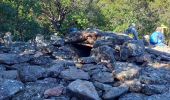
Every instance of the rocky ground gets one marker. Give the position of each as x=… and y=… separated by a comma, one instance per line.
x=87, y=65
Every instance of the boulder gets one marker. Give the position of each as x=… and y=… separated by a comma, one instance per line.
x=2, y=68
x=55, y=91
x=132, y=48
x=134, y=85
x=154, y=89
x=126, y=71
x=9, y=88
x=150, y=75
x=114, y=92
x=104, y=87
x=133, y=96
x=34, y=90
x=84, y=90
x=11, y=59
x=87, y=60
x=73, y=74
x=104, y=54
x=65, y=52
x=42, y=60
x=31, y=73
x=11, y=74
x=103, y=77
x=164, y=96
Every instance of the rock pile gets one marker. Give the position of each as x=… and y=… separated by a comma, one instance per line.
x=86, y=65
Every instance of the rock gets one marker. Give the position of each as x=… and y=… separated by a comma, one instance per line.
x=132, y=49
x=83, y=89
x=143, y=58
x=65, y=52
x=115, y=38
x=102, y=42
x=103, y=77
x=34, y=90
x=2, y=68
x=73, y=74
x=55, y=69
x=114, y=92
x=150, y=75
x=59, y=66
x=56, y=91
x=31, y=73
x=133, y=96
x=102, y=86
x=104, y=54
x=134, y=85
x=9, y=88
x=126, y=71
x=11, y=74
x=59, y=98
x=154, y=89
x=42, y=60
x=164, y=96
x=57, y=41
x=11, y=59
x=88, y=67
x=87, y=60
x=17, y=66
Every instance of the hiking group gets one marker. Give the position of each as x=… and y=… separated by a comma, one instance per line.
x=157, y=38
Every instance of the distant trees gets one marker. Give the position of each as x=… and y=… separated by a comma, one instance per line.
x=25, y=18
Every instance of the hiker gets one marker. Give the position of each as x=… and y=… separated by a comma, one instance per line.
x=8, y=39
x=157, y=38
x=73, y=29
x=132, y=30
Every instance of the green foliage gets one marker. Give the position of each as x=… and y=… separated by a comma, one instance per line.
x=26, y=18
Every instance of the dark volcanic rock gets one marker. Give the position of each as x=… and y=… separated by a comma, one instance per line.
x=150, y=75
x=104, y=54
x=34, y=90
x=10, y=59
x=65, y=52
x=56, y=40
x=102, y=86
x=133, y=96
x=10, y=87
x=11, y=74
x=164, y=96
x=56, y=91
x=114, y=92
x=103, y=77
x=83, y=89
x=154, y=89
x=87, y=60
x=31, y=73
x=59, y=66
x=42, y=60
x=134, y=85
x=132, y=49
x=2, y=68
x=55, y=70
x=125, y=71
x=73, y=74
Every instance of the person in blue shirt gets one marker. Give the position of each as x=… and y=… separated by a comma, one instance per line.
x=73, y=29
x=157, y=37
x=132, y=30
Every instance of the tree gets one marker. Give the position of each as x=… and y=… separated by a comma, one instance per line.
x=57, y=10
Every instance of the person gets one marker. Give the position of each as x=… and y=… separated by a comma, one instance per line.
x=8, y=39
x=157, y=37
x=73, y=29
x=132, y=30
